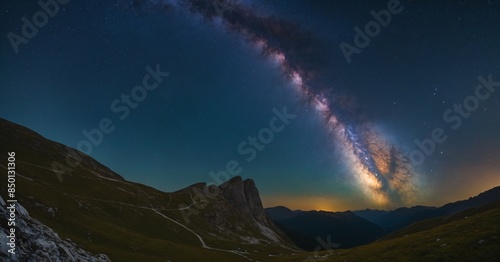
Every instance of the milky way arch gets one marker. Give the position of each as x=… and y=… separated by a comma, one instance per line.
x=381, y=170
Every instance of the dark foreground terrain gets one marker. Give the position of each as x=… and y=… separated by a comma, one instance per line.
x=86, y=211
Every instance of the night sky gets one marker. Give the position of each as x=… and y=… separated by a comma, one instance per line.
x=349, y=141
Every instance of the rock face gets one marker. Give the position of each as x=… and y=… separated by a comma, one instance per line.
x=234, y=191
x=234, y=209
x=245, y=196
x=36, y=242
x=254, y=202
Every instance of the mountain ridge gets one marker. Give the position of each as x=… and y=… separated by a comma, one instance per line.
x=293, y=223
x=96, y=211
x=396, y=219
x=103, y=213
x=344, y=229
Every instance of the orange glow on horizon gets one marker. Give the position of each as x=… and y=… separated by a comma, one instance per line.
x=467, y=186
x=485, y=179
x=306, y=203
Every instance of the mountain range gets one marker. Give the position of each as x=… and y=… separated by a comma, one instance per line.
x=87, y=212
x=401, y=217
x=345, y=229
x=355, y=228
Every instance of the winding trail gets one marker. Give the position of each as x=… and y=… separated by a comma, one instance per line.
x=156, y=210
x=203, y=244
x=201, y=239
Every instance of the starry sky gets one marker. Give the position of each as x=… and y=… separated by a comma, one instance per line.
x=403, y=114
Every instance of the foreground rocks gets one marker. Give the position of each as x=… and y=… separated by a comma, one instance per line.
x=37, y=242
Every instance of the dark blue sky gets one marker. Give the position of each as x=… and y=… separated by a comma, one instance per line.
x=221, y=90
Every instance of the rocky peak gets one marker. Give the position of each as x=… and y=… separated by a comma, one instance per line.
x=253, y=201
x=244, y=196
x=239, y=199
x=234, y=191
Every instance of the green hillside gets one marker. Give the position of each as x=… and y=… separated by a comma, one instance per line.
x=103, y=213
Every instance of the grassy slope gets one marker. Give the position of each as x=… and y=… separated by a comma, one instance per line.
x=113, y=217
x=122, y=231
x=127, y=230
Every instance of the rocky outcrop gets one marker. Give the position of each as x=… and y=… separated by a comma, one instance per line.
x=36, y=242
x=244, y=195
x=253, y=201
x=236, y=211
x=234, y=191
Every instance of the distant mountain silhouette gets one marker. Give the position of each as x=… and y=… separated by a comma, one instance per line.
x=343, y=228
x=401, y=217
x=351, y=229
x=281, y=212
